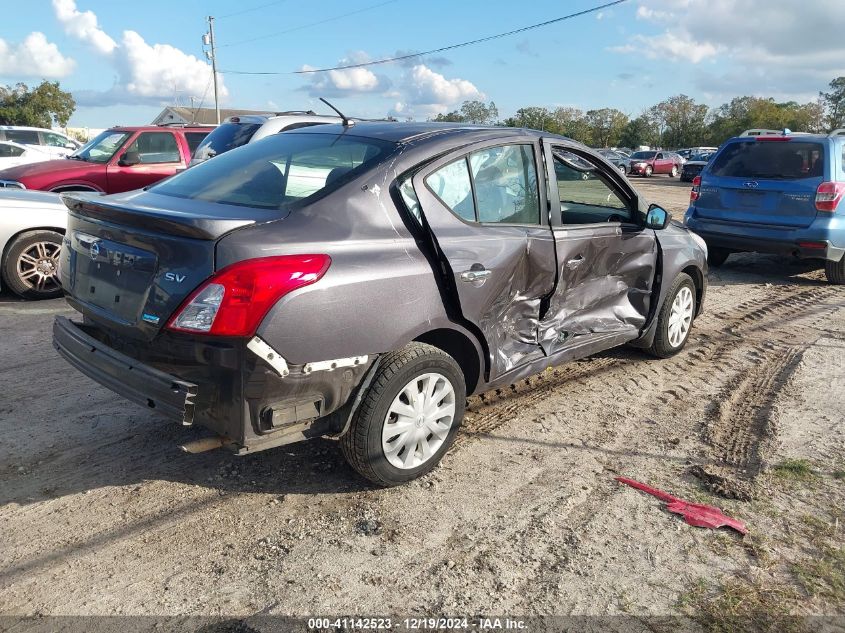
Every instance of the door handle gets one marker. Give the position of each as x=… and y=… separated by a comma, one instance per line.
x=475, y=275
x=573, y=263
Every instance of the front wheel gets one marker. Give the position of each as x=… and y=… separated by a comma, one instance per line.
x=674, y=172
x=835, y=271
x=409, y=416
x=622, y=169
x=648, y=171
x=31, y=264
x=675, y=319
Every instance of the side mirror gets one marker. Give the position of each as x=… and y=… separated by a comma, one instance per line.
x=129, y=158
x=657, y=217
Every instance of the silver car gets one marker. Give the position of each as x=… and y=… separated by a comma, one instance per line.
x=359, y=281
x=32, y=226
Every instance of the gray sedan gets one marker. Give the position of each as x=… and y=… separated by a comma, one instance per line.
x=360, y=281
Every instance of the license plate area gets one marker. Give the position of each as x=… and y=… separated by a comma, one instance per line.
x=751, y=199
x=112, y=276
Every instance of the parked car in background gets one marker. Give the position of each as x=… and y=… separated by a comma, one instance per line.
x=777, y=194
x=213, y=297
x=648, y=163
x=55, y=144
x=240, y=130
x=615, y=158
x=13, y=154
x=694, y=165
x=32, y=226
x=119, y=159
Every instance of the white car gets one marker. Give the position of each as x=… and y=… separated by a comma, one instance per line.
x=32, y=227
x=56, y=144
x=13, y=154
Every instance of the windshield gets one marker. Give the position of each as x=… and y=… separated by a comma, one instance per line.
x=779, y=160
x=276, y=172
x=225, y=137
x=701, y=157
x=102, y=147
x=643, y=155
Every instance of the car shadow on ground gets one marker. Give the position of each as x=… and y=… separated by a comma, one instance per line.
x=773, y=269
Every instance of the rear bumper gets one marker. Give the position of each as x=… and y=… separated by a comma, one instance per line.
x=125, y=376
x=816, y=241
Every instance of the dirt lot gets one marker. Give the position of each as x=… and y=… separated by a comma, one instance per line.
x=101, y=514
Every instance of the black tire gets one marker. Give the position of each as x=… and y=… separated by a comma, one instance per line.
x=716, y=256
x=648, y=171
x=39, y=285
x=622, y=169
x=661, y=346
x=835, y=271
x=362, y=443
x=674, y=172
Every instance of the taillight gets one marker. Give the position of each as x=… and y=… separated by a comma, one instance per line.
x=695, y=192
x=235, y=300
x=828, y=196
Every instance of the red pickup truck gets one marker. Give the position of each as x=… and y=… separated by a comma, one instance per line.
x=119, y=159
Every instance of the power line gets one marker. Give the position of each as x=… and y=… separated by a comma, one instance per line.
x=436, y=50
x=261, y=6
x=305, y=26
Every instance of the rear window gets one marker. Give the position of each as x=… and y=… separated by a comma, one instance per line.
x=778, y=160
x=278, y=172
x=225, y=137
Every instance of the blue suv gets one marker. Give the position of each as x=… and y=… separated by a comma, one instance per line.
x=774, y=192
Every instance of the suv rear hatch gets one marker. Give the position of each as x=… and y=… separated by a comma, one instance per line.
x=765, y=180
x=131, y=259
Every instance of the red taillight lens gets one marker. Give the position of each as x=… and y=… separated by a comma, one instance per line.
x=695, y=192
x=234, y=301
x=828, y=196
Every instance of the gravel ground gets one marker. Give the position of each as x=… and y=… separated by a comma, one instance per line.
x=101, y=514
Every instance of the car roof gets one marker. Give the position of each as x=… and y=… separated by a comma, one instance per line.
x=406, y=132
x=160, y=128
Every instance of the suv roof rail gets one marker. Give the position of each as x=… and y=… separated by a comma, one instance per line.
x=838, y=132
x=177, y=124
x=284, y=112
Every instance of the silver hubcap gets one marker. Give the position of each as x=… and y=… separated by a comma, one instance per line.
x=680, y=317
x=38, y=264
x=418, y=421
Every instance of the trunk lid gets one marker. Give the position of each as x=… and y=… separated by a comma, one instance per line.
x=131, y=259
x=763, y=182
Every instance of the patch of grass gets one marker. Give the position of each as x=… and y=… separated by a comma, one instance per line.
x=799, y=469
x=824, y=575
x=839, y=474
x=739, y=606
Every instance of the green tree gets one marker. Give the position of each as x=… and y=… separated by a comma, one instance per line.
x=41, y=106
x=606, y=126
x=573, y=123
x=534, y=118
x=639, y=131
x=834, y=103
x=472, y=112
x=681, y=121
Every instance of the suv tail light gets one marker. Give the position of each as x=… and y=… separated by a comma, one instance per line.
x=695, y=192
x=235, y=300
x=828, y=196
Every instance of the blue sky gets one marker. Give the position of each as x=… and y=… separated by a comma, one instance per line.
x=123, y=64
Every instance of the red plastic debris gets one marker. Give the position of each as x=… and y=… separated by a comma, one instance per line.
x=696, y=514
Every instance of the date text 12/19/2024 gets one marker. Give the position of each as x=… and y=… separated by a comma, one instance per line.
x=417, y=624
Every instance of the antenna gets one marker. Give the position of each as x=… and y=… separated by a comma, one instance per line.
x=346, y=121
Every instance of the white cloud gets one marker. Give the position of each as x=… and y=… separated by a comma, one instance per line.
x=34, y=57
x=151, y=73
x=763, y=44
x=428, y=88
x=347, y=81
x=83, y=26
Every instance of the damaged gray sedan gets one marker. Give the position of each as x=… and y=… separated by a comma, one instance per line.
x=359, y=282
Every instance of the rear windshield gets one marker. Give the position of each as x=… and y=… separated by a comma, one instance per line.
x=225, y=137
x=277, y=172
x=779, y=160
x=643, y=154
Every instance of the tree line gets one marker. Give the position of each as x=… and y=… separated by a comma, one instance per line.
x=676, y=122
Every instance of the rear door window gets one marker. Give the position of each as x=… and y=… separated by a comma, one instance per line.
x=225, y=137
x=27, y=137
x=194, y=139
x=776, y=160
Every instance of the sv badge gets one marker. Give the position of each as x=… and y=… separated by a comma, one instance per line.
x=175, y=277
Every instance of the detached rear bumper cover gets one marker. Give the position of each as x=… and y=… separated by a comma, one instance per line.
x=125, y=376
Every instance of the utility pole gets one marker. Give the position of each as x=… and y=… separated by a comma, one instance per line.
x=208, y=40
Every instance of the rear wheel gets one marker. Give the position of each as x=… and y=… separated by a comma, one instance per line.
x=675, y=319
x=716, y=256
x=648, y=171
x=409, y=416
x=622, y=169
x=835, y=271
x=31, y=263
